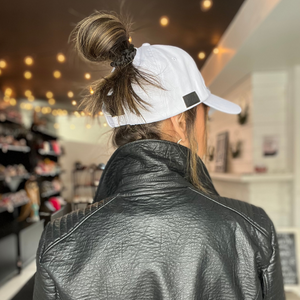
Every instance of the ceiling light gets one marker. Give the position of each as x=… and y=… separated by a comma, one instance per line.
x=27, y=93
x=30, y=98
x=201, y=55
x=28, y=60
x=74, y=102
x=216, y=50
x=164, y=21
x=56, y=74
x=12, y=102
x=60, y=57
x=49, y=95
x=27, y=75
x=70, y=94
x=51, y=101
x=206, y=5
x=8, y=92
x=87, y=76
x=2, y=63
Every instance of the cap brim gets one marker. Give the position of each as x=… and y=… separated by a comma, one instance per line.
x=223, y=105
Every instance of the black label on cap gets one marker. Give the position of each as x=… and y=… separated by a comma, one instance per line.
x=191, y=99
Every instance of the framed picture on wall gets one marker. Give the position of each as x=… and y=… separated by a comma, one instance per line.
x=221, y=152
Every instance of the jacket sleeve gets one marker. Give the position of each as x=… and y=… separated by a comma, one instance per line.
x=272, y=275
x=44, y=286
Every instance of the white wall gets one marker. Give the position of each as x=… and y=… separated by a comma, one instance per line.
x=221, y=122
x=270, y=118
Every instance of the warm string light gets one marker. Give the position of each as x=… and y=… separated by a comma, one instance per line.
x=2, y=63
x=56, y=74
x=216, y=50
x=74, y=102
x=70, y=94
x=87, y=76
x=51, y=101
x=164, y=21
x=28, y=60
x=28, y=93
x=60, y=57
x=8, y=92
x=28, y=75
x=12, y=102
x=26, y=106
x=201, y=55
x=49, y=95
x=206, y=5
x=30, y=98
x=130, y=39
x=91, y=91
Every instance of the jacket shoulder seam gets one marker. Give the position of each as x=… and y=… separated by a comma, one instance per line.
x=252, y=222
x=61, y=238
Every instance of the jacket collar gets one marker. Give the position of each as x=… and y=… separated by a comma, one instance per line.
x=145, y=165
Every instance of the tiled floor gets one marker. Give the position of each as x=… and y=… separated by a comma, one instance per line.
x=8, y=290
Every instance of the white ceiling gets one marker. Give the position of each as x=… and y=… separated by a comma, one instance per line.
x=273, y=45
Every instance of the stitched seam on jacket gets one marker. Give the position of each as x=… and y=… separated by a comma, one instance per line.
x=241, y=214
x=266, y=282
x=56, y=291
x=75, y=227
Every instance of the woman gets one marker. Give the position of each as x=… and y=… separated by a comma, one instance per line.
x=158, y=228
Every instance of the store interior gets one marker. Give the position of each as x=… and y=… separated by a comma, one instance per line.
x=52, y=153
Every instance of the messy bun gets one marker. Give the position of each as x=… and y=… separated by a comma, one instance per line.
x=104, y=37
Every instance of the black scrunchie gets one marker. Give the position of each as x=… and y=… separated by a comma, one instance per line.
x=126, y=57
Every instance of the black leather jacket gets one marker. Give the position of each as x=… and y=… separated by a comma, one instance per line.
x=151, y=235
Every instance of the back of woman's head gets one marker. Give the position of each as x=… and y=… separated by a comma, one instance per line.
x=104, y=38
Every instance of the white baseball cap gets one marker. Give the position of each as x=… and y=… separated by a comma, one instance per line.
x=182, y=82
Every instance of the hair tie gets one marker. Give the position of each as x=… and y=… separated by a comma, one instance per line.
x=126, y=57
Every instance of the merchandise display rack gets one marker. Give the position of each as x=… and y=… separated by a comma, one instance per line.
x=19, y=239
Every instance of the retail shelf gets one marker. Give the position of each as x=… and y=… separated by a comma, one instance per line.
x=6, y=148
x=8, y=178
x=51, y=174
x=48, y=133
x=4, y=118
x=5, y=208
x=48, y=153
